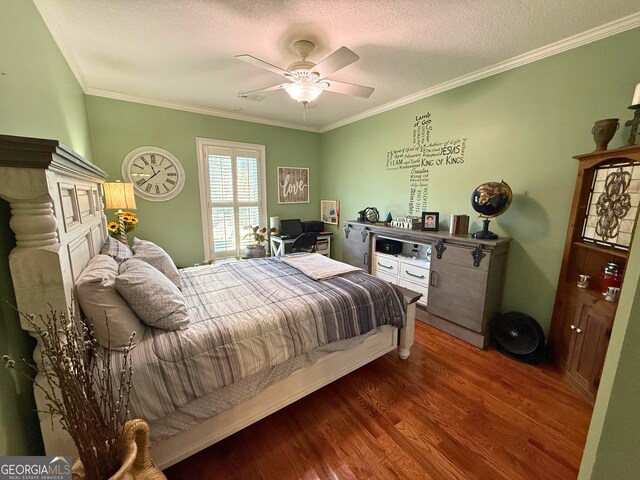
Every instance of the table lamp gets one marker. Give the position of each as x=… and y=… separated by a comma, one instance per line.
x=635, y=105
x=117, y=196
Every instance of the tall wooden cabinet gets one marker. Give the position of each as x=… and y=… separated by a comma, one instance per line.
x=582, y=318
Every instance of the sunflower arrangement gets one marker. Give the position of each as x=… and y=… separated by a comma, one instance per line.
x=130, y=221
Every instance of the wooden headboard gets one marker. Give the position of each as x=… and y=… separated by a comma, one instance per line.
x=58, y=219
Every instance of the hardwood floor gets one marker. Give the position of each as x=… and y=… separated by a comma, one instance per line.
x=450, y=412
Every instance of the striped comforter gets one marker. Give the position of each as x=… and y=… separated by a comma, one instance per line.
x=247, y=317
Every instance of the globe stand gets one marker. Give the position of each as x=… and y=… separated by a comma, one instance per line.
x=485, y=233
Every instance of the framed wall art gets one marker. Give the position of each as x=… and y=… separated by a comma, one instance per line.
x=293, y=185
x=330, y=211
x=430, y=221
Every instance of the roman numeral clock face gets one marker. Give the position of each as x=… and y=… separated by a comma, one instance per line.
x=156, y=174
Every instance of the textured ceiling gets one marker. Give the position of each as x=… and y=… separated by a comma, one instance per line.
x=181, y=52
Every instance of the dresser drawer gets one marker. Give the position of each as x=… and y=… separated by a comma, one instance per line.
x=389, y=278
x=385, y=264
x=322, y=245
x=414, y=273
x=416, y=287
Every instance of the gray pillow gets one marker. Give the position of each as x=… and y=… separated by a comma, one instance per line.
x=101, y=302
x=154, y=298
x=116, y=249
x=154, y=255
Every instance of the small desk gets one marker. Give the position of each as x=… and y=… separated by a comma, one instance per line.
x=279, y=245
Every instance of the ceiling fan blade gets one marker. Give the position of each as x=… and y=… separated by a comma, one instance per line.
x=349, y=89
x=262, y=64
x=334, y=62
x=265, y=89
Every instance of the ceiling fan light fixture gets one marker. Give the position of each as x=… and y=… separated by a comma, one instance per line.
x=304, y=92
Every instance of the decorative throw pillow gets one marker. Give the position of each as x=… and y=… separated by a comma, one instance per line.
x=154, y=255
x=101, y=302
x=116, y=249
x=154, y=298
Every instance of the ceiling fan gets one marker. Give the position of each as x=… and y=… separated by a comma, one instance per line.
x=307, y=80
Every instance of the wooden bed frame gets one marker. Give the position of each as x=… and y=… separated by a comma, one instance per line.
x=58, y=219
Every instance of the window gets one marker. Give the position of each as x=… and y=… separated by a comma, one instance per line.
x=232, y=194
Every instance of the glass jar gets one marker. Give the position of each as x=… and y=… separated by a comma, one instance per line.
x=610, y=276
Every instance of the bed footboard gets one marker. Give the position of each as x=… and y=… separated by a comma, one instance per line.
x=405, y=340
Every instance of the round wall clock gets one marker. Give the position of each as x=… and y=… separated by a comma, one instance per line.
x=156, y=174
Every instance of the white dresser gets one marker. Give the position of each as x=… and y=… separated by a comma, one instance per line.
x=404, y=271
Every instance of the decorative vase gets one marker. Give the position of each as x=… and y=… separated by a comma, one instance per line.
x=610, y=276
x=255, y=251
x=134, y=451
x=603, y=131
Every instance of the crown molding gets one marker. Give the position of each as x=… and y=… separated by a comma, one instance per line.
x=612, y=28
x=196, y=109
x=617, y=26
x=47, y=12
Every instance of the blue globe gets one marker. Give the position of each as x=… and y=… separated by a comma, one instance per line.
x=491, y=198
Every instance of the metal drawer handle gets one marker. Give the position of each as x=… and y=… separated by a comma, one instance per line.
x=578, y=330
x=385, y=266
x=573, y=327
x=413, y=274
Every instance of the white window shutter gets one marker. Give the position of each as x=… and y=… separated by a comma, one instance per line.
x=235, y=196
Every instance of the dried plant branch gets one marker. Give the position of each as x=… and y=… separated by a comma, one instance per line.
x=81, y=391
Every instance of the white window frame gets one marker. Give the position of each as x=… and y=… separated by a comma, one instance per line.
x=205, y=196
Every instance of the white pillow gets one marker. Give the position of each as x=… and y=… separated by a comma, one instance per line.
x=154, y=298
x=100, y=301
x=116, y=249
x=156, y=256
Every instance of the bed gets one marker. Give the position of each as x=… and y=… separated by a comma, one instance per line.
x=59, y=224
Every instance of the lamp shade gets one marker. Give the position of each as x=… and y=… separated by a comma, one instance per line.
x=304, y=92
x=636, y=97
x=119, y=196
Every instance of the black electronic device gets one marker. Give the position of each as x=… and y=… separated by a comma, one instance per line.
x=385, y=245
x=369, y=215
x=290, y=228
x=519, y=336
x=315, y=226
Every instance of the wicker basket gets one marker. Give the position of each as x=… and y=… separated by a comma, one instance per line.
x=136, y=463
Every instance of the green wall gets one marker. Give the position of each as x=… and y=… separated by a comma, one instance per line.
x=611, y=450
x=39, y=97
x=118, y=127
x=522, y=126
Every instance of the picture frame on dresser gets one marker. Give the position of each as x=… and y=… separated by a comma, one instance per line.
x=430, y=221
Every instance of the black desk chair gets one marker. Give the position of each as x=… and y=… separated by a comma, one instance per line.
x=305, y=243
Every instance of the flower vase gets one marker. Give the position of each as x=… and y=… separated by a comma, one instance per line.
x=134, y=451
x=603, y=131
x=255, y=251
